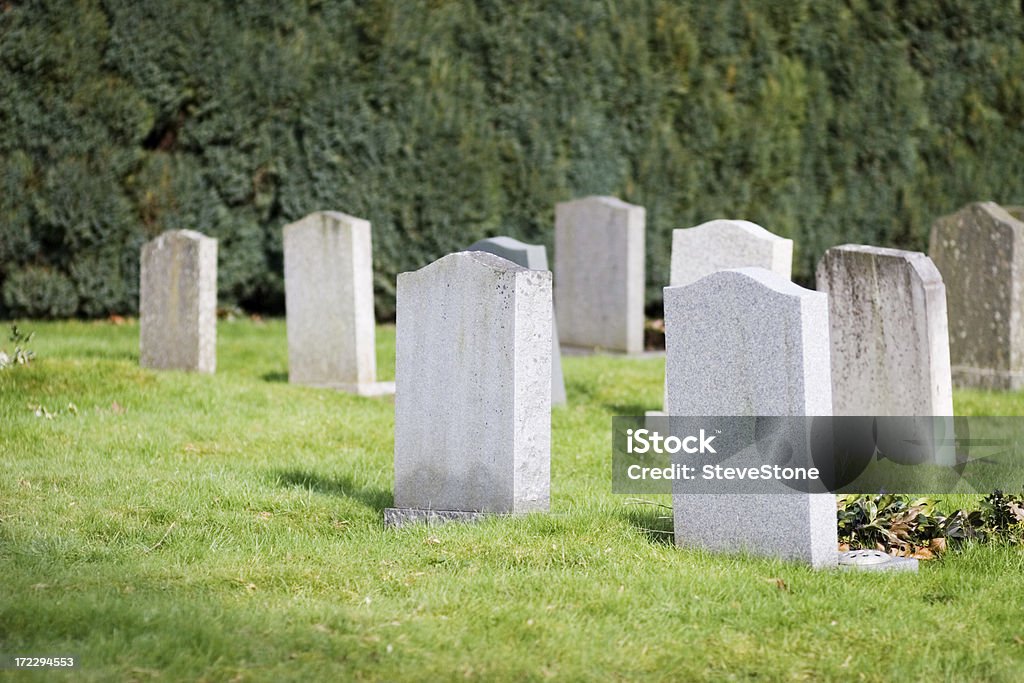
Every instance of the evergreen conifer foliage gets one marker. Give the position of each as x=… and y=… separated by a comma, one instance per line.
x=445, y=122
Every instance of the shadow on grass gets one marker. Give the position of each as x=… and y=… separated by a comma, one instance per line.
x=653, y=521
x=108, y=354
x=343, y=487
x=275, y=377
x=626, y=409
x=580, y=392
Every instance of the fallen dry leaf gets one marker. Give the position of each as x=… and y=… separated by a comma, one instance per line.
x=923, y=554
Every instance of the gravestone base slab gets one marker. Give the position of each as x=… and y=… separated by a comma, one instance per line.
x=368, y=389
x=984, y=378
x=653, y=419
x=398, y=517
x=847, y=561
x=598, y=351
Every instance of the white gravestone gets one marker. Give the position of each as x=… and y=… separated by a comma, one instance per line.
x=599, y=274
x=473, y=400
x=178, y=302
x=749, y=342
x=328, y=278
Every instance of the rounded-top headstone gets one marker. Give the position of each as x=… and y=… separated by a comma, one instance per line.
x=473, y=373
x=534, y=257
x=749, y=342
x=724, y=244
x=980, y=252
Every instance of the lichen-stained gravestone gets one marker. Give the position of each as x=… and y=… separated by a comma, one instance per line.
x=534, y=257
x=473, y=400
x=723, y=244
x=599, y=274
x=328, y=274
x=980, y=252
x=748, y=342
x=178, y=302
x=890, y=342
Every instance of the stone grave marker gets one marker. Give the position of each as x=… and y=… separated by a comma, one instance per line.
x=178, y=302
x=473, y=400
x=980, y=252
x=534, y=257
x=749, y=342
x=599, y=274
x=328, y=278
x=890, y=342
x=723, y=244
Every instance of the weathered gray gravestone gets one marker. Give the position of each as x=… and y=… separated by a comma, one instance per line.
x=328, y=280
x=534, y=257
x=723, y=244
x=599, y=274
x=473, y=401
x=980, y=252
x=890, y=342
x=178, y=302
x=749, y=342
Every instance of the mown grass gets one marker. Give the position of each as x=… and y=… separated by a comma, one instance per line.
x=228, y=527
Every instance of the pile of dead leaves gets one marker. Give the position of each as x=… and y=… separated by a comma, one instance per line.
x=911, y=527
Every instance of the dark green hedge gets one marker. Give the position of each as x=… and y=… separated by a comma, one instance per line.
x=444, y=122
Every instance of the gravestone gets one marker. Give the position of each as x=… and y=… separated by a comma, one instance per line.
x=749, y=342
x=724, y=244
x=178, y=302
x=599, y=274
x=890, y=343
x=980, y=252
x=473, y=400
x=534, y=257
x=328, y=280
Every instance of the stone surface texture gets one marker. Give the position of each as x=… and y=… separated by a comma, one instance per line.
x=725, y=244
x=178, y=302
x=599, y=274
x=980, y=252
x=890, y=342
x=473, y=372
x=750, y=342
x=398, y=517
x=328, y=273
x=534, y=257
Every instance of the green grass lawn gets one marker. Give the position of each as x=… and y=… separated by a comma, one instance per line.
x=228, y=527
